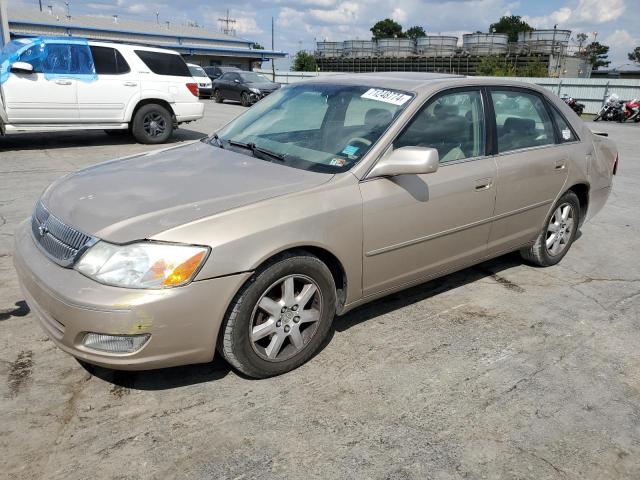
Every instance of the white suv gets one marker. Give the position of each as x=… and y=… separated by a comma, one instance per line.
x=52, y=84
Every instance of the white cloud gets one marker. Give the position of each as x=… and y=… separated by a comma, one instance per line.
x=399, y=15
x=599, y=11
x=558, y=17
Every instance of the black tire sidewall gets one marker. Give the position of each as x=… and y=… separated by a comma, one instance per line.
x=245, y=100
x=241, y=346
x=138, y=127
x=217, y=97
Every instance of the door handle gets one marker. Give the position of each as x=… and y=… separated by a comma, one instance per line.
x=63, y=82
x=130, y=84
x=561, y=164
x=483, y=184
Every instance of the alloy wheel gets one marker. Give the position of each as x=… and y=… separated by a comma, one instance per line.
x=560, y=229
x=154, y=124
x=286, y=318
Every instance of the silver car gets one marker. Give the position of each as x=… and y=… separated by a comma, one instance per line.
x=324, y=196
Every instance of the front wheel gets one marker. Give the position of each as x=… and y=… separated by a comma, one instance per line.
x=280, y=318
x=558, y=233
x=245, y=99
x=152, y=124
x=217, y=96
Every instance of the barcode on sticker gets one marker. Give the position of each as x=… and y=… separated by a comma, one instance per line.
x=387, y=96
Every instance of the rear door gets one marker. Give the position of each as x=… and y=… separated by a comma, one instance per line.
x=106, y=100
x=532, y=167
x=49, y=94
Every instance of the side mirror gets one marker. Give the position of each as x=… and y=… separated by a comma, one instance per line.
x=236, y=80
x=21, y=67
x=407, y=161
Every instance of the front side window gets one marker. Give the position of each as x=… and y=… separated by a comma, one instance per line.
x=162, y=63
x=453, y=124
x=318, y=127
x=522, y=120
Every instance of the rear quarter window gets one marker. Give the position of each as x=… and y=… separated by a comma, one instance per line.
x=164, y=63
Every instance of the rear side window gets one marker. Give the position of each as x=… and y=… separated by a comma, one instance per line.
x=565, y=132
x=522, y=120
x=109, y=61
x=453, y=124
x=164, y=63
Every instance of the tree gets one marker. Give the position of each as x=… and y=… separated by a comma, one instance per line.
x=635, y=55
x=257, y=46
x=304, y=62
x=597, y=54
x=387, y=28
x=495, y=66
x=511, y=26
x=581, y=38
x=415, y=32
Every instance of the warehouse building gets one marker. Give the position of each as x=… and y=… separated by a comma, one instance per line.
x=443, y=54
x=197, y=44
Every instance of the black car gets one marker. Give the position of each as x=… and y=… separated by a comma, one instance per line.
x=216, y=71
x=246, y=87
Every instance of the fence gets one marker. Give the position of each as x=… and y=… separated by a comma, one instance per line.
x=592, y=92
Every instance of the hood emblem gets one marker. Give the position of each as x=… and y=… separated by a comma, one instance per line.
x=43, y=230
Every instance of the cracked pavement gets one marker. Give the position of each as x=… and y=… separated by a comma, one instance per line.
x=498, y=371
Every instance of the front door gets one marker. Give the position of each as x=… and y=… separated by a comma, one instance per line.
x=417, y=226
x=532, y=168
x=49, y=94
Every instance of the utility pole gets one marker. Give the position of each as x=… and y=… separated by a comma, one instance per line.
x=228, y=23
x=273, y=59
x=4, y=24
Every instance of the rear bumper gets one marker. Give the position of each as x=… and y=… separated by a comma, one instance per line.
x=182, y=322
x=187, y=112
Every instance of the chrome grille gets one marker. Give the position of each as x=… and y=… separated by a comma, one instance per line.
x=60, y=242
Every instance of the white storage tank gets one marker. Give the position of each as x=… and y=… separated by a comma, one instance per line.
x=329, y=49
x=545, y=41
x=436, y=46
x=485, y=43
x=396, y=47
x=359, y=48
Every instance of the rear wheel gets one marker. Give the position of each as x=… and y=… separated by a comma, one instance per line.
x=152, y=124
x=217, y=96
x=280, y=318
x=559, y=232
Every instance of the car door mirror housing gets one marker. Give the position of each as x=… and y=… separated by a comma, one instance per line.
x=407, y=161
x=236, y=80
x=21, y=67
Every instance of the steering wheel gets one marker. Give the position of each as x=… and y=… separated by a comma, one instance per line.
x=363, y=141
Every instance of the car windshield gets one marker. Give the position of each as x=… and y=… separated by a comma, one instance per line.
x=319, y=127
x=197, y=71
x=253, y=77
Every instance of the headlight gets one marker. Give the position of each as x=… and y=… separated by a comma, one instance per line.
x=255, y=90
x=142, y=265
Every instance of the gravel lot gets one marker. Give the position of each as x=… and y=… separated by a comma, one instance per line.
x=499, y=371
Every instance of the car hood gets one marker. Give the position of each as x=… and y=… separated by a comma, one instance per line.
x=264, y=85
x=137, y=197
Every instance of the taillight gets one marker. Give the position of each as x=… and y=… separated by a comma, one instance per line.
x=193, y=88
x=615, y=165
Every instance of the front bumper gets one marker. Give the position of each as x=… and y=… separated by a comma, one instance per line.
x=183, y=322
x=205, y=92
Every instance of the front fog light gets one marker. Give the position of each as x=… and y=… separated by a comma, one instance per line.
x=115, y=343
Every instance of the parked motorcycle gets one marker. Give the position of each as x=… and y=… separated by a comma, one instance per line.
x=632, y=111
x=575, y=106
x=612, y=110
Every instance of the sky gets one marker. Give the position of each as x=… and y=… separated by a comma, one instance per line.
x=299, y=23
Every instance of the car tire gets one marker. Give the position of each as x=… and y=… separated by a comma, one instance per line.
x=217, y=96
x=245, y=100
x=152, y=124
x=261, y=341
x=557, y=235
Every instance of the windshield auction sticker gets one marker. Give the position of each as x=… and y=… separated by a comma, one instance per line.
x=387, y=96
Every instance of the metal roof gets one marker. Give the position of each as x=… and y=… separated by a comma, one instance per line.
x=18, y=15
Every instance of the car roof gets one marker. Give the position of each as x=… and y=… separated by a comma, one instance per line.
x=414, y=81
x=129, y=46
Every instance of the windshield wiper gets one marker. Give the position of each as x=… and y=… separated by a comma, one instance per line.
x=254, y=148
